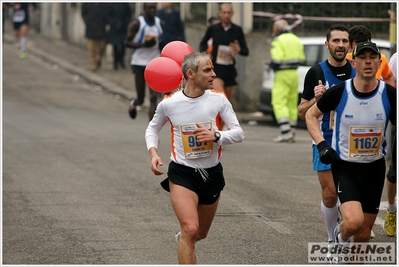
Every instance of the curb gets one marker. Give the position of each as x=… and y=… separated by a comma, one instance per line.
x=89, y=76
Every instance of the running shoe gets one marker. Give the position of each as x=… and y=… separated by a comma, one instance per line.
x=22, y=55
x=330, y=245
x=285, y=138
x=338, y=246
x=372, y=235
x=390, y=223
x=335, y=243
x=336, y=232
x=132, y=109
x=177, y=236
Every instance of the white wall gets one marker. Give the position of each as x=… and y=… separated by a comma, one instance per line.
x=76, y=27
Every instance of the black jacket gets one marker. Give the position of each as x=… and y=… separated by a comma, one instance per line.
x=94, y=16
x=174, y=27
x=222, y=37
x=119, y=16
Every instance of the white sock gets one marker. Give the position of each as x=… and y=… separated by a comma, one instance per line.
x=24, y=40
x=392, y=208
x=330, y=216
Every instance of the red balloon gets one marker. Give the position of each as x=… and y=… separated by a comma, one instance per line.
x=163, y=74
x=176, y=50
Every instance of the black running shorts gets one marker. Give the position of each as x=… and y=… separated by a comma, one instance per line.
x=136, y=69
x=227, y=73
x=362, y=182
x=208, y=191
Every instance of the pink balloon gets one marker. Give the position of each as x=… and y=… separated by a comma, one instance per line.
x=176, y=50
x=163, y=74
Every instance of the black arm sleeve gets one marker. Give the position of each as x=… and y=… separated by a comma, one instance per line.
x=244, y=51
x=330, y=99
x=311, y=80
x=204, y=42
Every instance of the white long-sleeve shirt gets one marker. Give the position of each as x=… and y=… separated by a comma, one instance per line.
x=183, y=113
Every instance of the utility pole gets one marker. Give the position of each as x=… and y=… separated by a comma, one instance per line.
x=241, y=67
x=392, y=27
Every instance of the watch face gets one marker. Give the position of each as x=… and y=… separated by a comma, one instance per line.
x=217, y=136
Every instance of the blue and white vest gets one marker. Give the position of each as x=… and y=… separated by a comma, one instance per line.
x=143, y=55
x=326, y=121
x=360, y=125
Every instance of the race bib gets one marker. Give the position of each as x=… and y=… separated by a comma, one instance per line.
x=19, y=16
x=224, y=55
x=191, y=147
x=364, y=142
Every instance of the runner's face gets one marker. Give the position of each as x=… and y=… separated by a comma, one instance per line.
x=338, y=45
x=150, y=9
x=225, y=13
x=205, y=75
x=367, y=64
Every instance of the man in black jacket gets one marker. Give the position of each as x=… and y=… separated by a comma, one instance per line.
x=95, y=18
x=119, y=16
x=174, y=27
x=228, y=41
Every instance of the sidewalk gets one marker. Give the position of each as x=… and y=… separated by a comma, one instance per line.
x=74, y=59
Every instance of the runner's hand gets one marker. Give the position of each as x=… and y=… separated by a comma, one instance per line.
x=327, y=154
x=203, y=134
x=155, y=162
x=149, y=43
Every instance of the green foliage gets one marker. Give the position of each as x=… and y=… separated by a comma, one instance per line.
x=198, y=12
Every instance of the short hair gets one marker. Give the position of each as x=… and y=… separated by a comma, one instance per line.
x=149, y=3
x=336, y=27
x=359, y=34
x=282, y=25
x=192, y=61
x=226, y=4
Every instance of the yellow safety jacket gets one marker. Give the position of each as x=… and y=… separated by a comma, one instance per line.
x=286, y=52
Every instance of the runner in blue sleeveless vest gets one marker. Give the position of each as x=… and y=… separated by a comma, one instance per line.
x=319, y=78
x=144, y=35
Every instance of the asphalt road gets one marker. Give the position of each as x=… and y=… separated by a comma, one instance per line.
x=77, y=186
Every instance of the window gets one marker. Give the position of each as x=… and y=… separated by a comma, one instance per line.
x=198, y=12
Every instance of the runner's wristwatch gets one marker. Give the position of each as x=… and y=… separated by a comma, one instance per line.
x=217, y=136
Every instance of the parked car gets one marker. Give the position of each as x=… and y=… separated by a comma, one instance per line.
x=315, y=52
